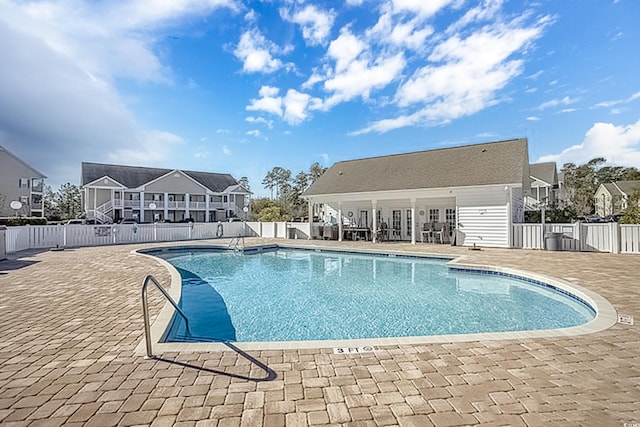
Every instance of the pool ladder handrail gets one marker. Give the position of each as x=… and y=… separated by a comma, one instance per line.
x=145, y=311
x=235, y=242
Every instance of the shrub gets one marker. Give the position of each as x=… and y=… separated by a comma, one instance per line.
x=14, y=221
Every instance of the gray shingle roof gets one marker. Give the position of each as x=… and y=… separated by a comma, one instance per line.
x=629, y=187
x=503, y=162
x=545, y=172
x=36, y=173
x=135, y=176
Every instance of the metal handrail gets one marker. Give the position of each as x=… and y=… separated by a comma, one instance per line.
x=237, y=245
x=145, y=311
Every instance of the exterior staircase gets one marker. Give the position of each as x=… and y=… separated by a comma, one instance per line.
x=101, y=213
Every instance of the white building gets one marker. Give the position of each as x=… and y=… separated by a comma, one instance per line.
x=114, y=192
x=477, y=190
x=21, y=183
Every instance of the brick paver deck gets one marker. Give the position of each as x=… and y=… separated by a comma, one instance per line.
x=71, y=320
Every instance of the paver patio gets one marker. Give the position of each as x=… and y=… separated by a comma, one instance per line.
x=70, y=322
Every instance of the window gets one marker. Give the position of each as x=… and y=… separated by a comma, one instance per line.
x=396, y=218
x=23, y=183
x=434, y=215
x=24, y=200
x=450, y=215
x=364, y=219
x=409, y=222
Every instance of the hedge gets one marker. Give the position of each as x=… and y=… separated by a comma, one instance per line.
x=17, y=221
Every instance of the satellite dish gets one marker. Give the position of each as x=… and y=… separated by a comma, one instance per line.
x=152, y=206
x=16, y=205
x=246, y=209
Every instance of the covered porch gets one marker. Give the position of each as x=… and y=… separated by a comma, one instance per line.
x=424, y=218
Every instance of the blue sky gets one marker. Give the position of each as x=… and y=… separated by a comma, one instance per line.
x=241, y=87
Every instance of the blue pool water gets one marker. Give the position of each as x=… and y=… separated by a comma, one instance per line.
x=296, y=295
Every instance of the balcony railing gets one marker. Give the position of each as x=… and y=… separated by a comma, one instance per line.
x=172, y=205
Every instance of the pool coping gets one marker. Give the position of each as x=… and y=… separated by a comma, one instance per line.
x=606, y=315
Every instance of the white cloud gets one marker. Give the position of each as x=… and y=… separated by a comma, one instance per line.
x=345, y=49
x=608, y=104
x=422, y=8
x=557, y=102
x=254, y=50
x=226, y=150
x=315, y=23
x=361, y=77
x=396, y=30
x=268, y=102
x=293, y=108
x=464, y=74
x=262, y=120
x=619, y=144
x=59, y=63
x=255, y=133
x=533, y=118
x=297, y=106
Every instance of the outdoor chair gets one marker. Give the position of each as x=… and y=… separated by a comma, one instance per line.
x=382, y=233
x=439, y=232
x=427, y=229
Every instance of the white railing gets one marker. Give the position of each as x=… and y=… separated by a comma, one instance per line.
x=580, y=237
x=68, y=236
x=608, y=237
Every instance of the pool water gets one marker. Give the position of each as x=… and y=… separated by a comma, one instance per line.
x=299, y=295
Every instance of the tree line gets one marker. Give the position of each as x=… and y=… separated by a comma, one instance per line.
x=580, y=185
x=286, y=201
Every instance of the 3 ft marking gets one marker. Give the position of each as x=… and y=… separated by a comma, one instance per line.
x=350, y=350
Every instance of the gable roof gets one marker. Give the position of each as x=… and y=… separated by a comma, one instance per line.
x=35, y=173
x=628, y=187
x=545, y=172
x=503, y=162
x=136, y=176
x=611, y=188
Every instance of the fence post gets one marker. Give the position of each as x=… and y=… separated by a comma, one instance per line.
x=614, y=232
x=578, y=234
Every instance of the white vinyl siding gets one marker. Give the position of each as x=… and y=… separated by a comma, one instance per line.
x=483, y=215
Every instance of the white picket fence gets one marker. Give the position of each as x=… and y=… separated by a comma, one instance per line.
x=69, y=236
x=607, y=237
x=580, y=237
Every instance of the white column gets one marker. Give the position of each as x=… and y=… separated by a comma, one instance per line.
x=374, y=227
x=165, y=201
x=340, y=222
x=141, y=218
x=310, y=204
x=413, y=221
x=187, y=198
x=207, y=198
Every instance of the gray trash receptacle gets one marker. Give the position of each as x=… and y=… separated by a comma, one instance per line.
x=553, y=241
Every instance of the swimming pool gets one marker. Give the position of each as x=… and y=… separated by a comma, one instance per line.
x=299, y=295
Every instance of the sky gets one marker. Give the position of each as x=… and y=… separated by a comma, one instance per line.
x=242, y=87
